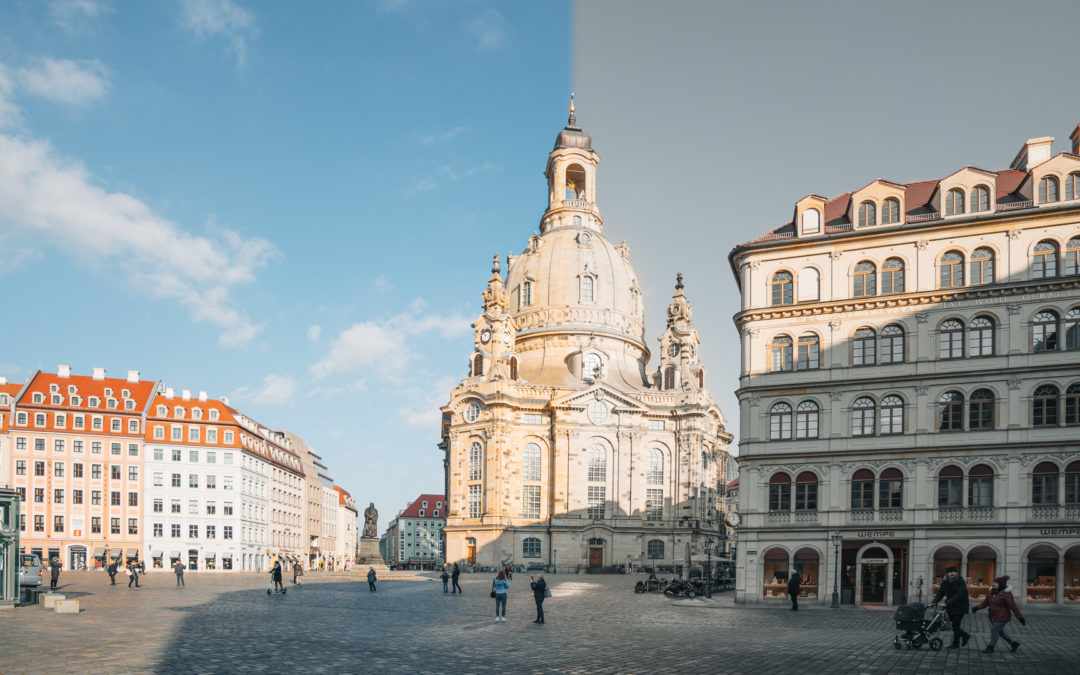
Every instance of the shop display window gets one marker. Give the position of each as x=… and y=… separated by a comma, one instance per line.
x=981, y=571
x=808, y=571
x=226, y=563
x=1072, y=575
x=943, y=560
x=776, y=573
x=156, y=563
x=1042, y=580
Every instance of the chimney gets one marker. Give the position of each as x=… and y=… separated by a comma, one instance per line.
x=3, y=380
x=202, y=395
x=169, y=392
x=63, y=371
x=1075, y=138
x=99, y=373
x=225, y=400
x=187, y=395
x=133, y=376
x=1035, y=152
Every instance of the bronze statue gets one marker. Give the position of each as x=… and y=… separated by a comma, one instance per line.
x=371, y=517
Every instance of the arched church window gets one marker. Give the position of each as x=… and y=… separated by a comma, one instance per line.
x=590, y=367
x=476, y=461
x=586, y=288
x=532, y=462
x=655, y=472
x=526, y=294
x=513, y=368
x=575, y=182
x=478, y=365
x=597, y=463
x=669, y=377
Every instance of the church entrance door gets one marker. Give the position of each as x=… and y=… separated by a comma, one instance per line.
x=596, y=556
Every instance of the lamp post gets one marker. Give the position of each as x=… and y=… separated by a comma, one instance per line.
x=708, y=567
x=554, y=560
x=837, y=537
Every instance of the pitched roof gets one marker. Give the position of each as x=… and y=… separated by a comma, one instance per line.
x=733, y=484
x=413, y=511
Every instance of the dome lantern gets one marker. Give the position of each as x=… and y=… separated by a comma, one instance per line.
x=571, y=177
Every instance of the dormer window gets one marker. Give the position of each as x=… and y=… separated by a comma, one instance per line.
x=867, y=214
x=38, y=397
x=587, y=285
x=526, y=294
x=94, y=402
x=213, y=415
x=980, y=199
x=196, y=414
x=811, y=221
x=954, y=202
x=162, y=411
x=129, y=404
x=108, y=392
x=1048, y=190
x=179, y=412
x=890, y=211
x=590, y=367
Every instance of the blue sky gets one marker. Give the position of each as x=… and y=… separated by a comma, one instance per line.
x=293, y=205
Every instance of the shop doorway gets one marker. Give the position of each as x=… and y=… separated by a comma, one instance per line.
x=77, y=556
x=470, y=550
x=873, y=582
x=874, y=567
x=193, y=559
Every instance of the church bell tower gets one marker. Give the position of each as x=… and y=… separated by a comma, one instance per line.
x=571, y=179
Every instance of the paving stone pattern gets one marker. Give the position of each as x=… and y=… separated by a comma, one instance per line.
x=227, y=623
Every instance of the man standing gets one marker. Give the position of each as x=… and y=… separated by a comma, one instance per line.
x=371, y=579
x=112, y=572
x=454, y=577
x=178, y=568
x=133, y=574
x=954, y=590
x=793, y=588
x=54, y=572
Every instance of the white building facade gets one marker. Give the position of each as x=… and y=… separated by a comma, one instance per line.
x=910, y=388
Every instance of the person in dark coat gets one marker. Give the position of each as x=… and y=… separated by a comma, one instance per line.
x=454, y=577
x=1002, y=607
x=371, y=579
x=54, y=573
x=954, y=590
x=275, y=576
x=112, y=573
x=178, y=568
x=793, y=588
x=133, y=572
x=445, y=576
x=539, y=586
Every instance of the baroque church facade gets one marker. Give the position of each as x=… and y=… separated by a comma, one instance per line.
x=561, y=449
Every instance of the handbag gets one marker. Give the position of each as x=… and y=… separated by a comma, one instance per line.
x=547, y=592
x=493, y=592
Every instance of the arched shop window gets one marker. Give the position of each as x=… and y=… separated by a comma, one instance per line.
x=807, y=566
x=1042, y=579
x=776, y=573
x=981, y=571
x=944, y=558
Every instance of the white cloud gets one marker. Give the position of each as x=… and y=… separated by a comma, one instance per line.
x=72, y=15
x=48, y=196
x=449, y=134
x=275, y=390
x=489, y=30
x=382, y=284
x=383, y=345
x=422, y=185
x=454, y=174
x=66, y=81
x=221, y=19
x=313, y=333
x=424, y=403
x=9, y=112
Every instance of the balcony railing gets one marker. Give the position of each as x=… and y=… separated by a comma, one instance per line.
x=1072, y=511
x=577, y=203
x=923, y=217
x=1045, y=512
x=862, y=515
x=980, y=513
x=950, y=513
x=1026, y=204
x=779, y=517
x=806, y=517
x=891, y=515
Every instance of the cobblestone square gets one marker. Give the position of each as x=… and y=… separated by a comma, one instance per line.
x=227, y=623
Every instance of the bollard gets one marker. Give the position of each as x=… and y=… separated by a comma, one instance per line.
x=67, y=607
x=49, y=600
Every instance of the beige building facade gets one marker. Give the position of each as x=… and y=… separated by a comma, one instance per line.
x=911, y=383
x=561, y=449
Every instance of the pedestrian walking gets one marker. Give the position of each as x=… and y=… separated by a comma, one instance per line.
x=298, y=574
x=510, y=572
x=54, y=572
x=793, y=588
x=371, y=579
x=454, y=577
x=112, y=572
x=178, y=568
x=445, y=581
x=500, y=587
x=1002, y=607
x=954, y=590
x=133, y=574
x=540, y=591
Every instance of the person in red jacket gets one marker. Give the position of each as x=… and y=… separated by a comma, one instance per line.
x=1001, y=603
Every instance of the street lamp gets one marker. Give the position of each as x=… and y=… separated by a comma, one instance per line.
x=554, y=560
x=708, y=567
x=837, y=537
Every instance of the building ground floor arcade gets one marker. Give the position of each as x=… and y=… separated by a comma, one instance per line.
x=895, y=566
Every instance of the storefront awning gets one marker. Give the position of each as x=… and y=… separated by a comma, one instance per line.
x=155, y=554
x=226, y=555
x=210, y=556
x=132, y=553
x=174, y=554
x=99, y=551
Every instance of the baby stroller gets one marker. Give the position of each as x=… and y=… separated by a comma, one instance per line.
x=916, y=629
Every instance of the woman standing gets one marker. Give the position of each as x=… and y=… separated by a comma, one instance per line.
x=499, y=588
x=539, y=589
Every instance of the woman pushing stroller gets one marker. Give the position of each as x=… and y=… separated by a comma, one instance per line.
x=1001, y=606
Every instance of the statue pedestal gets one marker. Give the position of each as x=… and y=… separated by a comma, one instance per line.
x=369, y=552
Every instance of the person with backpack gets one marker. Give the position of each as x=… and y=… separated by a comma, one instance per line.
x=1002, y=606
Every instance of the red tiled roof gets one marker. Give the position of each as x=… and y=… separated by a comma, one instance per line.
x=733, y=484
x=414, y=509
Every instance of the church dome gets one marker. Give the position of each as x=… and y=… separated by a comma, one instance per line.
x=572, y=135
